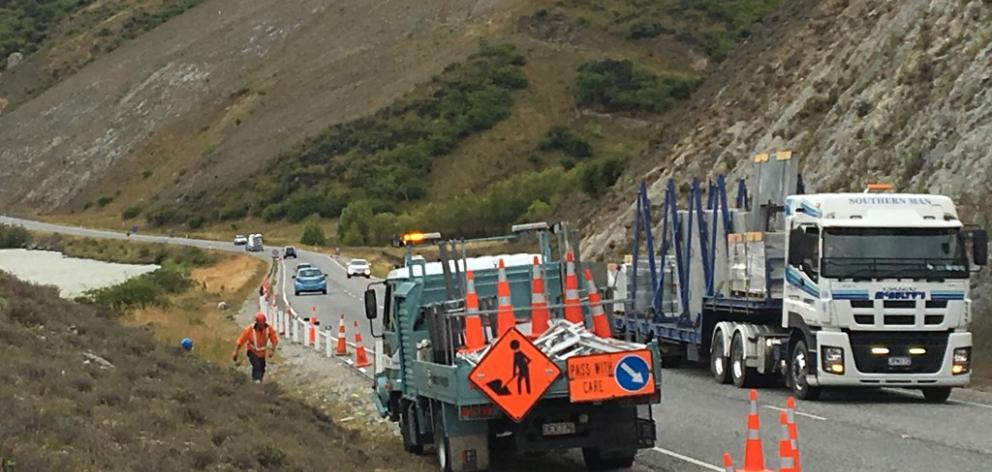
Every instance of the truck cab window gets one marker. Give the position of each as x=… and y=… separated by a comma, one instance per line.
x=804, y=250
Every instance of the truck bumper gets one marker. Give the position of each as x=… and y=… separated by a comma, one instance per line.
x=941, y=376
x=607, y=426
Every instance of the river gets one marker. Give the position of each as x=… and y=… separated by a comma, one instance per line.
x=71, y=275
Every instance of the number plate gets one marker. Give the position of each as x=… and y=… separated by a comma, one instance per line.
x=558, y=429
x=900, y=361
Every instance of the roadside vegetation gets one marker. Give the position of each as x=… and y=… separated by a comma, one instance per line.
x=622, y=86
x=14, y=237
x=89, y=394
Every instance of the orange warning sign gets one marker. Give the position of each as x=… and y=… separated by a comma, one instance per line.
x=514, y=374
x=604, y=376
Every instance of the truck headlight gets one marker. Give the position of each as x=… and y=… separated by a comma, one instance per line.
x=962, y=361
x=833, y=359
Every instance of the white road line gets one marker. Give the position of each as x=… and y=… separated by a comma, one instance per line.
x=808, y=415
x=963, y=402
x=688, y=459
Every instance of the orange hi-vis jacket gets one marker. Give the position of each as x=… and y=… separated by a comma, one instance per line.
x=257, y=340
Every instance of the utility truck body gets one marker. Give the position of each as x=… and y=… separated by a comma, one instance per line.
x=424, y=372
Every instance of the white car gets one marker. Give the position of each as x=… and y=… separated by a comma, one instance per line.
x=240, y=240
x=359, y=268
x=303, y=265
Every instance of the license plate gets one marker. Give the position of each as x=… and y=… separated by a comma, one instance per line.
x=900, y=361
x=558, y=429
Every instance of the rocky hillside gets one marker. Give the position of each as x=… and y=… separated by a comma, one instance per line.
x=864, y=91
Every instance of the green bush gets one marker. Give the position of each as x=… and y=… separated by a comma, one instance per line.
x=382, y=229
x=353, y=226
x=563, y=139
x=646, y=29
x=167, y=214
x=14, y=237
x=313, y=235
x=596, y=177
x=386, y=157
x=132, y=212
x=104, y=201
x=622, y=86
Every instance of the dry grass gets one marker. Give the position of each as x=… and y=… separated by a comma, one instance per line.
x=194, y=314
x=154, y=408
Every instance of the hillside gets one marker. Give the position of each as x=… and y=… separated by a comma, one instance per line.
x=231, y=111
x=80, y=392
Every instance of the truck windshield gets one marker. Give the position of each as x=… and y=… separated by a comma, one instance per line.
x=888, y=253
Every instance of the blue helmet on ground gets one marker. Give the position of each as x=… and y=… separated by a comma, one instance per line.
x=186, y=344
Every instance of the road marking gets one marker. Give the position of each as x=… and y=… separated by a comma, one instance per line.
x=688, y=459
x=963, y=402
x=808, y=415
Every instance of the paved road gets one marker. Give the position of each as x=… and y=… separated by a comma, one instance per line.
x=877, y=430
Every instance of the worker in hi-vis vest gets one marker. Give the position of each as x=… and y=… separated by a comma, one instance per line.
x=256, y=336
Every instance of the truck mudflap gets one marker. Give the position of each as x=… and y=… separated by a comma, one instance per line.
x=559, y=424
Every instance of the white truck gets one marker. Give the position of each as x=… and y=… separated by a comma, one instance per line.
x=827, y=290
x=254, y=243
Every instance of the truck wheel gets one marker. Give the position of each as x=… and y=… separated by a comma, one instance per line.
x=718, y=361
x=297, y=293
x=798, y=370
x=444, y=457
x=936, y=394
x=597, y=459
x=410, y=431
x=742, y=375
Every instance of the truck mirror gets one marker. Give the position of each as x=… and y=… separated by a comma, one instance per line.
x=980, y=247
x=371, y=304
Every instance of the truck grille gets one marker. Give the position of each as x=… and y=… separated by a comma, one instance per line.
x=898, y=343
x=898, y=312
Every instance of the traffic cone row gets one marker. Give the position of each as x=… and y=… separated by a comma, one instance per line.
x=573, y=305
x=361, y=358
x=539, y=313
x=504, y=309
x=600, y=323
x=788, y=450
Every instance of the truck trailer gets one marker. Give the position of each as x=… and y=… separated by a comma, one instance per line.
x=464, y=401
x=819, y=290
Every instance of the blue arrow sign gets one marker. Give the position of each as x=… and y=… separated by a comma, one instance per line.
x=632, y=373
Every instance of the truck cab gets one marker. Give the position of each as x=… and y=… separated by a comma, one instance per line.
x=423, y=367
x=876, y=291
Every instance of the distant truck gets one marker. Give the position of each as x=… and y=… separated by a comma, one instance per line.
x=823, y=290
x=254, y=243
x=423, y=369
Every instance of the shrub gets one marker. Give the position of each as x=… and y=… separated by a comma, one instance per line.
x=194, y=222
x=167, y=214
x=353, y=227
x=596, y=177
x=563, y=139
x=382, y=228
x=618, y=86
x=104, y=201
x=313, y=235
x=132, y=212
x=13, y=237
x=646, y=29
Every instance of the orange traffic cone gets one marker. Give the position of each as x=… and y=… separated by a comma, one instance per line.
x=600, y=323
x=573, y=305
x=754, y=458
x=790, y=408
x=504, y=311
x=361, y=359
x=728, y=463
x=342, y=348
x=474, y=336
x=786, y=455
x=539, y=313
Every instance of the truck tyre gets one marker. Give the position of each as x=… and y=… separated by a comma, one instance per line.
x=798, y=370
x=936, y=394
x=444, y=456
x=410, y=430
x=718, y=361
x=297, y=293
x=324, y=291
x=597, y=459
x=742, y=375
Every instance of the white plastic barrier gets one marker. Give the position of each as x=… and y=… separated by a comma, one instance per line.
x=328, y=350
x=316, y=338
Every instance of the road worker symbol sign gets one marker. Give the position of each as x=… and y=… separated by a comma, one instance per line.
x=514, y=374
x=604, y=376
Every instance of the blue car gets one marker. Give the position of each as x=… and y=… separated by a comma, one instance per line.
x=310, y=279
